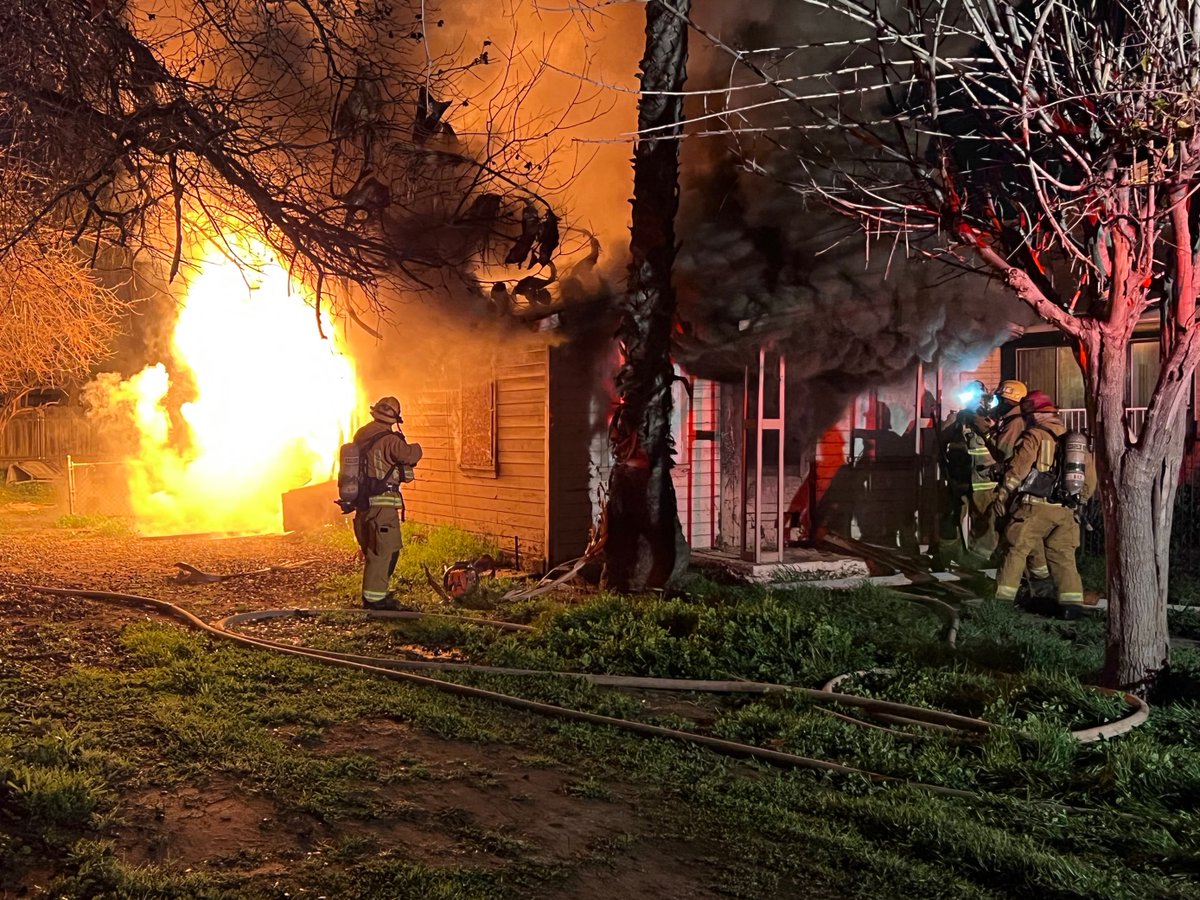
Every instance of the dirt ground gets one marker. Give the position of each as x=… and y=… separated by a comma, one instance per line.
x=214, y=823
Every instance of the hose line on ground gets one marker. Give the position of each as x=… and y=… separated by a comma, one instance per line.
x=399, y=670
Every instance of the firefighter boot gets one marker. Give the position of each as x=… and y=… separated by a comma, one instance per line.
x=1043, y=595
x=387, y=604
x=390, y=604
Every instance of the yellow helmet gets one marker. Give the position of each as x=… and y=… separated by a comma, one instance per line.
x=1012, y=391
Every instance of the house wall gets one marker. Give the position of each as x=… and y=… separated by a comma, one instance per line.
x=512, y=503
x=988, y=371
x=705, y=466
x=865, y=477
x=862, y=476
x=1147, y=331
x=696, y=474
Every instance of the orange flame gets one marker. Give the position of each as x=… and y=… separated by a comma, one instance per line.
x=273, y=401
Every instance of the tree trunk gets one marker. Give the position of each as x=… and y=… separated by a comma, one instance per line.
x=1136, y=548
x=9, y=407
x=645, y=546
x=1138, y=478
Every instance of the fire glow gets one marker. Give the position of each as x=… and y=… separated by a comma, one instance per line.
x=270, y=401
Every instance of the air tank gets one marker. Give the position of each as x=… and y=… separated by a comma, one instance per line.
x=1074, y=469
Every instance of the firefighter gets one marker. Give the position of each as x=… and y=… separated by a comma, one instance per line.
x=1008, y=418
x=969, y=471
x=388, y=465
x=1009, y=424
x=1029, y=505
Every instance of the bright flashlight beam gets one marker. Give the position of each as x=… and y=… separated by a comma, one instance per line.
x=968, y=398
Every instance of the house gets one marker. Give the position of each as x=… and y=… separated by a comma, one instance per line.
x=515, y=446
x=512, y=449
x=517, y=452
x=872, y=472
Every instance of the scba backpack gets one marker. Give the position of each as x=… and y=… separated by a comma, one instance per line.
x=1066, y=478
x=355, y=486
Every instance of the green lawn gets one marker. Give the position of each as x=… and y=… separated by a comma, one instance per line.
x=154, y=706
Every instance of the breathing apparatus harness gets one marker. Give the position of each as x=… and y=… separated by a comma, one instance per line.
x=1061, y=478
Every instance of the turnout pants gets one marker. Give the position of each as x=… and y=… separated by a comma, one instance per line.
x=1047, y=527
x=981, y=538
x=986, y=541
x=378, y=532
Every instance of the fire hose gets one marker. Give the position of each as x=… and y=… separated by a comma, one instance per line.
x=407, y=671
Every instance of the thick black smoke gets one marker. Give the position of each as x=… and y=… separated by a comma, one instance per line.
x=762, y=265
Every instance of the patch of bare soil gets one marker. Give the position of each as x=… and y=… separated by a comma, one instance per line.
x=146, y=566
x=489, y=787
x=457, y=803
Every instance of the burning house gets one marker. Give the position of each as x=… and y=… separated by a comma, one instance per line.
x=811, y=376
x=247, y=384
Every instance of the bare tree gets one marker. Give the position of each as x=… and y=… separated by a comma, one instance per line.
x=56, y=322
x=1053, y=143
x=330, y=128
x=644, y=545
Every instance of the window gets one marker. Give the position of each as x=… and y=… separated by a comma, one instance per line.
x=477, y=447
x=1053, y=371
x=1144, y=366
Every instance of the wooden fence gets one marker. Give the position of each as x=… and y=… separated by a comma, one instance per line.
x=49, y=434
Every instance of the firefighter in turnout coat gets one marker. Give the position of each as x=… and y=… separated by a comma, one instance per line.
x=1010, y=420
x=1010, y=424
x=388, y=466
x=1031, y=515
x=970, y=475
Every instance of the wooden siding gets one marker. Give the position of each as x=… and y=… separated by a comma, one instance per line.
x=697, y=470
x=509, y=504
x=988, y=371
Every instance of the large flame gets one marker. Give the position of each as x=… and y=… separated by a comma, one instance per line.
x=272, y=400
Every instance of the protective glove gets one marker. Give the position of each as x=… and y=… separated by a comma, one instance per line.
x=999, y=505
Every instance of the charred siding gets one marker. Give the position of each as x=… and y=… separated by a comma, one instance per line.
x=578, y=409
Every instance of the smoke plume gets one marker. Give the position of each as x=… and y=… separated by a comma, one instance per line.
x=762, y=266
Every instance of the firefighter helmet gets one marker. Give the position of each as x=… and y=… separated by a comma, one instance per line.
x=1012, y=391
x=387, y=411
x=1036, y=401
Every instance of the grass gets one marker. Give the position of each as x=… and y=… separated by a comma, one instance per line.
x=40, y=493
x=425, y=547
x=180, y=709
x=111, y=526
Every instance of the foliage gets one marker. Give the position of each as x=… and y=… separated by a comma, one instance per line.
x=432, y=547
x=95, y=524
x=56, y=321
x=799, y=636
x=97, y=872
x=37, y=492
x=436, y=547
x=334, y=131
